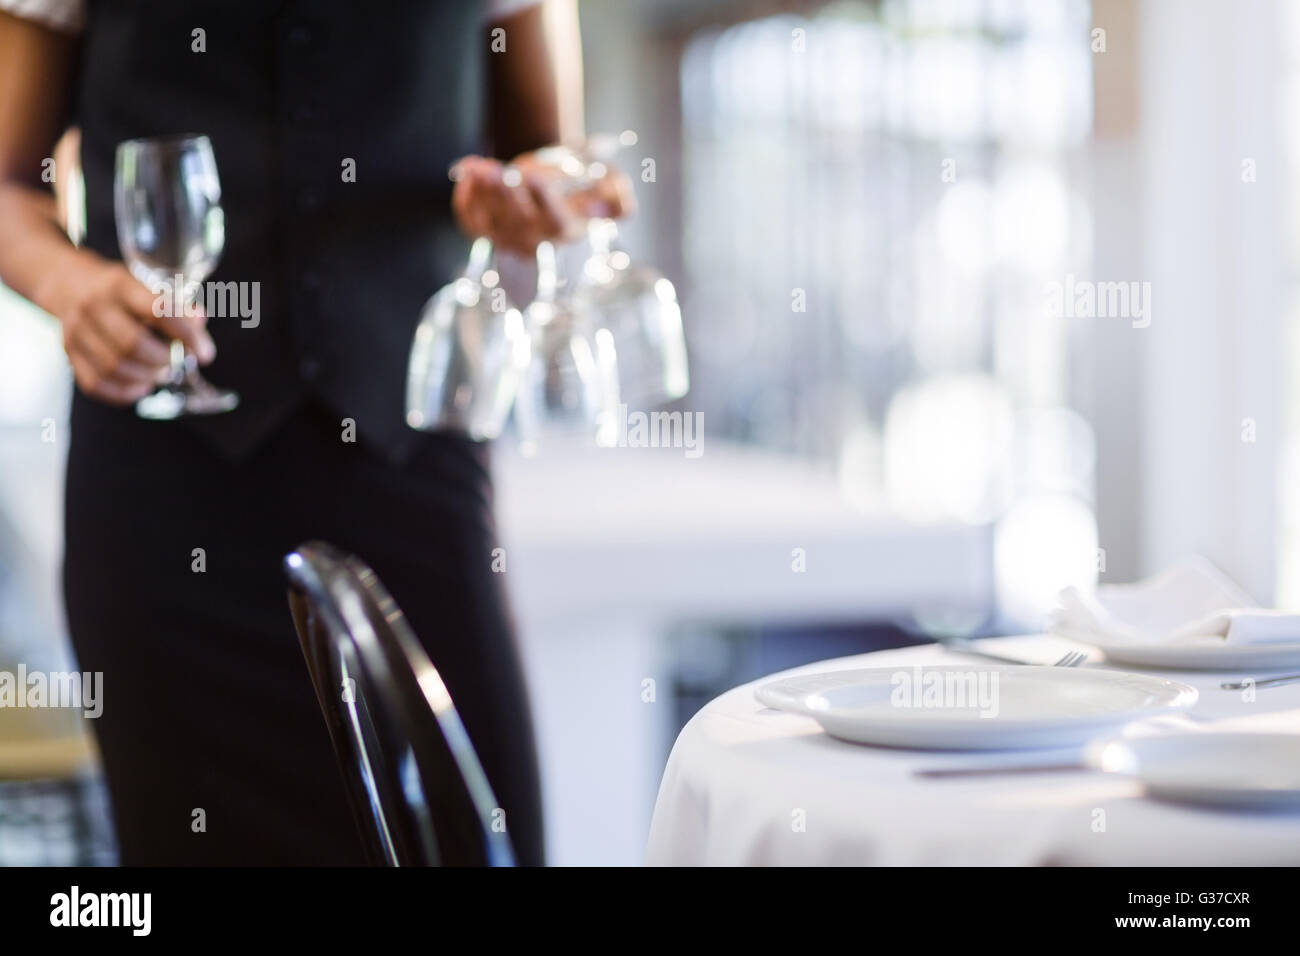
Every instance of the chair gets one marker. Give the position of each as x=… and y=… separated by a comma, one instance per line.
x=417, y=789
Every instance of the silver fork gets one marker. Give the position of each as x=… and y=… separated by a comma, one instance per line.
x=1071, y=659
x=1261, y=682
x=960, y=646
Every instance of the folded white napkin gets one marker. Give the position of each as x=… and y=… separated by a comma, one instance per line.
x=1193, y=599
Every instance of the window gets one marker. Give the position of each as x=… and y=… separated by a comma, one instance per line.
x=875, y=198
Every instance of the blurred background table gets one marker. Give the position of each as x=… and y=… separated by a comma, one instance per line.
x=608, y=550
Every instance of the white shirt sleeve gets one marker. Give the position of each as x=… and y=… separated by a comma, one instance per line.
x=68, y=16
x=504, y=8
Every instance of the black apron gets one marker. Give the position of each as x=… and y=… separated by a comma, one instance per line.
x=207, y=701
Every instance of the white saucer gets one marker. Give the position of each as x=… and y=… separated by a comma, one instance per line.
x=1237, y=770
x=1207, y=654
x=974, y=707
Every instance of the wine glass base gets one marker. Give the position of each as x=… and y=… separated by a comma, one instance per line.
x=173, y=401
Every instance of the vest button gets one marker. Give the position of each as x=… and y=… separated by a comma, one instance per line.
x=308, y=199
x=310, y=368
x=299, y=36
x=309, y=281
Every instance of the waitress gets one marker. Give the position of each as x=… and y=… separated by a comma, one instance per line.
x=213, y=744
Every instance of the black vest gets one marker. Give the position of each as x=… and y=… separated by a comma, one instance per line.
x=289, y=92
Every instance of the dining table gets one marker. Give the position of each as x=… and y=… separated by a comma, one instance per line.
x=748, y=785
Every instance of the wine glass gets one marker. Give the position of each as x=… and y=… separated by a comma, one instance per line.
x=470, y=354
x=572, y=381
x=635, y=303
x=167, y=200
x=638, y=306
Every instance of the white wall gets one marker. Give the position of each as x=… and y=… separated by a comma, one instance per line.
x=1211, y=358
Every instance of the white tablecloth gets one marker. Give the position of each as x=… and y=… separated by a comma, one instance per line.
x=747, y=785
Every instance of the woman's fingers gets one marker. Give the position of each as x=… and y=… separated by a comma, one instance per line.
x=135, y=297
x=554, y=219
x=612, y=193
x=508, y=221
x=109, y=321
x=469, y=202
x=155, y=309
x=107, y=389
x=96, y=344
x=132, y=339
x=518, y=206
x=189, y=327
x=150, y=309
x=513, y=222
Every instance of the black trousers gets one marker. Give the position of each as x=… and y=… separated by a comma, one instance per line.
x=174, y=592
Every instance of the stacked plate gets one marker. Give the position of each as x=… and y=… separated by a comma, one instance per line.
x=1246, y=771
x=1204, y=653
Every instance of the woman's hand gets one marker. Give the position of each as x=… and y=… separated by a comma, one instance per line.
x=114, y=339
x=521, y=205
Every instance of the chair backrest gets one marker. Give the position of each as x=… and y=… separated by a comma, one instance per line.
x=417, y=789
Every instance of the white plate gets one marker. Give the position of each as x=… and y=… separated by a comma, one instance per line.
x=1240, y=770
x=974, y=707
x=1206, y=654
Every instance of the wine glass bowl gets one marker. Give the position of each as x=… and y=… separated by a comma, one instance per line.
x=639, y=307
x=571, y=383
x=563, y=387
x=170, y=227
x=470, y=355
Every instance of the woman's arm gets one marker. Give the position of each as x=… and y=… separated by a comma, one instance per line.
x=104, y=312
x=535, y=100
x=535, y=86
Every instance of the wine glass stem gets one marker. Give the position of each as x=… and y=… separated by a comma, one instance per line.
x=548, y=277
x=601, y=234
x=178, y=364
x=480, y=258
x=182, y=365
